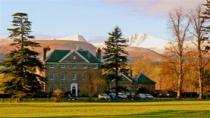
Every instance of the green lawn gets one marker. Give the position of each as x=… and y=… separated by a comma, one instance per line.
x=170, y=109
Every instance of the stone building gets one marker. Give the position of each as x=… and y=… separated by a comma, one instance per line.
x=71, y=71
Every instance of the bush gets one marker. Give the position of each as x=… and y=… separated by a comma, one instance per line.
x=58, y=95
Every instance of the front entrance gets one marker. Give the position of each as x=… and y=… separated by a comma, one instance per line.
x=74, y=89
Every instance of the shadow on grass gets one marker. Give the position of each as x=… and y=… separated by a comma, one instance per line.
x=161, y=114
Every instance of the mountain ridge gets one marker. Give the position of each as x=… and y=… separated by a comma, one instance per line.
x=134, y=52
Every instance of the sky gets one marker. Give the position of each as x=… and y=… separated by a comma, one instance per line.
x=93, y=18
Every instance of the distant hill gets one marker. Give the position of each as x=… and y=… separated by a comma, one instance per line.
x=134, y=52
x=143, y=53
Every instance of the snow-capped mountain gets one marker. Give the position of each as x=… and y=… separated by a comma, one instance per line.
x=147, y=41
x=77, y=37
x=142, y=40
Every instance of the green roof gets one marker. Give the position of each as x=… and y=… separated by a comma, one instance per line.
x=86, y=54
x=57, y=55
x=143, y=79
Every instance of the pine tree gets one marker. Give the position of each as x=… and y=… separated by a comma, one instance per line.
x=115, y=57
x=20, y=64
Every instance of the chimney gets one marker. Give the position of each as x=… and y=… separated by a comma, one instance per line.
x=45, y=49
x=98, y=54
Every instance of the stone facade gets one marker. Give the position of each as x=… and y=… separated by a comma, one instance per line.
x=71, y=73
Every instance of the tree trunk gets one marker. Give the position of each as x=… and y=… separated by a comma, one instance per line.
x=116, y=82
x=179, y=89
x=200, y=68
x=200, y=71
x=180, y=70
x=200, y=87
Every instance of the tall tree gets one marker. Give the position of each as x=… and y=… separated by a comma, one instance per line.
x=200, y=35
x=20, y=64
x=115, y=56
x=179, y=25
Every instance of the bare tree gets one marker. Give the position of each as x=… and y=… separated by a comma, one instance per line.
x=199, y=34
x=179, y=26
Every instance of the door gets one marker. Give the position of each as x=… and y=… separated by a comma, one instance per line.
x=74, y=89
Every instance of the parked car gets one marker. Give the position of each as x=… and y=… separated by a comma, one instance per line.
x=141, y=95
x=149, y=96
x=145, y=96
x=104, y=96
x=122, y=96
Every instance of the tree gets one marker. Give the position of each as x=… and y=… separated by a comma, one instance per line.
x=115, y=57
x=179, y=25
x=20, y=64
x=200, y=35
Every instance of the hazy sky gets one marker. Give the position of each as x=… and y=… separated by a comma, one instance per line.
x=93, y=18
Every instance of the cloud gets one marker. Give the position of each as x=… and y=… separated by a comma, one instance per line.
x=159, y=7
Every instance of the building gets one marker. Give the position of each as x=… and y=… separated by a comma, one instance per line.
x=136, y=83
x=143, y=81
x=71, y=71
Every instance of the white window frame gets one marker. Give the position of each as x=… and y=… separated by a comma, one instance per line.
x=51, y=66
x=51, y=75
x=85, y=67
x=62, y=66
x=74, y=76
x=63, y=75
x=74, y=57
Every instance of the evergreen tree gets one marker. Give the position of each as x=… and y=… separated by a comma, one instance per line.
x=20, y=64
x=115, y=57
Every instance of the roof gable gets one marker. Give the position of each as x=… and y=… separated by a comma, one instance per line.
x=143, y=79
x=82, y=56
x=74, y=57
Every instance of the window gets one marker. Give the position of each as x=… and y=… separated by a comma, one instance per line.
x=63, y=75
x=51, y=66
x=74, y=57
x=73, y=66
x=96, y=67
x=52, y=75
x=85, y=67
x=62, y=66
x=74, y=76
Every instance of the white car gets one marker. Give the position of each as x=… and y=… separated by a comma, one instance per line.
x=104, y=96
x=142, y=96
x=122, y=95
x=149, y=96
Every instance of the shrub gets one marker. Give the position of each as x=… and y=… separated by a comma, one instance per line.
x=58, y=95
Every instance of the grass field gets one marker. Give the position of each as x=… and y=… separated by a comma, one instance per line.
x=170, y=109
